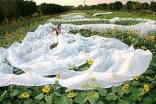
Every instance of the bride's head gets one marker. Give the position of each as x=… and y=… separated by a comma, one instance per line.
x=59, y=26
x=58, y=31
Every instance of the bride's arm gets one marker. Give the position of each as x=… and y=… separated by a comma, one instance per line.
x=64, y=31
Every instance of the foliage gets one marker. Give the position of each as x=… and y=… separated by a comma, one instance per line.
x=16, y=8
x=115, y=6
x=49, y=9
x=102, y=6
x=153, y=6
x=16, y=32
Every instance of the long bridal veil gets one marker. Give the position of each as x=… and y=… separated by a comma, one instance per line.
x=114, y=61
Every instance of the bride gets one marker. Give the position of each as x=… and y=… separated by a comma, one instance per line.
x=63, y=43
x=60, y=31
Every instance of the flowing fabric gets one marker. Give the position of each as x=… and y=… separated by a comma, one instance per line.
x=114, y=61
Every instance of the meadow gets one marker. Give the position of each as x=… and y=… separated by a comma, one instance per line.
x=141, y=90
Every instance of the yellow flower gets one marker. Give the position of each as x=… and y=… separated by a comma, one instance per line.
x=126, y=86
x=153, y=38
x=146, y=87
x=130, y=37
x=143, y=47
x=25, y=95
x=46, y=89
x=146, y=38
x=58, y=76
x=143, y=34
x=90, y=61
x=136, y=77
x=71, y=95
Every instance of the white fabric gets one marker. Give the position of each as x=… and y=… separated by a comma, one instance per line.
x=143, y=27
x=97, y=14
x=114, y=61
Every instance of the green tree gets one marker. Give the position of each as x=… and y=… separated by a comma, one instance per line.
x=144, y=6
x=118, y=5
x=102, y=6
x=153, y=6
x=48, y=9
x=129, y=6
x=111, y=6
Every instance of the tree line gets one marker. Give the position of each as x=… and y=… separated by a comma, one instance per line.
x=129, y=6
x=15, y=9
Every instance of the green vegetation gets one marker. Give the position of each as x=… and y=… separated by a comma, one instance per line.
x=16, y=32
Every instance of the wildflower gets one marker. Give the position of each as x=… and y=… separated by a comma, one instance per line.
x=153, y=38
x=146, y=87
x=90, y=61
x=146, y=38
x=58, y=76
x=96, y=85
x=46, y=89
x=136, y=77
x=126, y=86
x=71, y=95
x=130, y=37
x=25, y=95
x=143, y=47
x=93, y=79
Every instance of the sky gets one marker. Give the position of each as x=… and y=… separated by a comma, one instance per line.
x=81, y=2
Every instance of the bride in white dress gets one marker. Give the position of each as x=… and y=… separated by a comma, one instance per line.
x=63, y=44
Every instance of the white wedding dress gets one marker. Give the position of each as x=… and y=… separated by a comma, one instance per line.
x=114, y=61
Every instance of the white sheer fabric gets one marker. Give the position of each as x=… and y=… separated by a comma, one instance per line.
x=114, y=61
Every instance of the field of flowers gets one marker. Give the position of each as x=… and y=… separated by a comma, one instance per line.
x=16, y=32
x=141, y=90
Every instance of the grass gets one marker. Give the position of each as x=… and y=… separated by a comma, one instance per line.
x=120, y=14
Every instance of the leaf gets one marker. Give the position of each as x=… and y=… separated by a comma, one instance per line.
x=135, y=83
x=149, y=78
x=111, y=97
x=100, y=102
x=140, y=91
x=125, y=102
x=148, y=100
x=149, y=71
x=114, y=89
x=102, y=92
x=39, y=97
x=134, y=91
x=80, y=99
x=49, y=99
x=26, y=102
x=127, y=91
x=42, y=102
x=63, y=100
x=15, y=92
x=4, y=93
x=134, y=97
x=93, y=98
x=142, y=78
x=57, y=93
